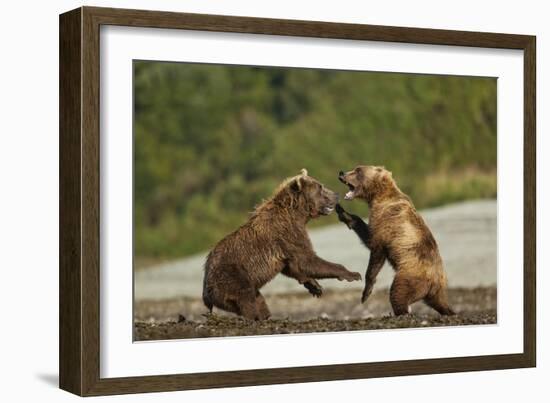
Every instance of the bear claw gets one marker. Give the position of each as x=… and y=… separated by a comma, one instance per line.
x=314, y=289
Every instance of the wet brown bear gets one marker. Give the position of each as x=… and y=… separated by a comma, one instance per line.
x=398, y=233
x=273, y=241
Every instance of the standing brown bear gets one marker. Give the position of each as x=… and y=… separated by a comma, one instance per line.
x=273, y=241
x=398, y=233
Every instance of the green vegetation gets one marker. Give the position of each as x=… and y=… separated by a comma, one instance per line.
x=212, y=141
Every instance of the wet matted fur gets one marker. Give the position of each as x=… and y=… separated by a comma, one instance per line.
x=274, y=240
x=396, y=232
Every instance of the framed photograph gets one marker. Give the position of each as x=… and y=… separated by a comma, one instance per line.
x=248, y=201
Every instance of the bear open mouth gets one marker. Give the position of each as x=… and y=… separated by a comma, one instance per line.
x=349, y=195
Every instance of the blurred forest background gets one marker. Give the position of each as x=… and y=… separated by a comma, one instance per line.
x=212, y=141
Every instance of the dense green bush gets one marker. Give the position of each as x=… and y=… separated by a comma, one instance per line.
x=212, y=141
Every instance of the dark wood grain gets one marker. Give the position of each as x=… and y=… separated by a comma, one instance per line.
x=316, y=29
x=70, y=271
x=90, y=202
x=80, y=200
x=530, y=202
x=306, y=374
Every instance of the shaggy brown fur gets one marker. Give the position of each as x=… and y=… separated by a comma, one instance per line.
x=273, y=241
x=398, y=233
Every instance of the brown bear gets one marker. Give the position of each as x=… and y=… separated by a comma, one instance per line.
x=396, y=232
x=274, y=240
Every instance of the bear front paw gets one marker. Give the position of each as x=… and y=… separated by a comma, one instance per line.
x=314, y=288
x=344, y=216
x=351, y=276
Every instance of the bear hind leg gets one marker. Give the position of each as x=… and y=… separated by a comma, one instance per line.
x=406, y=290
x=251, y=304
x=235, y=293
x=246, y=303
x=261, y=307
x=438, y=301
x=247, y=308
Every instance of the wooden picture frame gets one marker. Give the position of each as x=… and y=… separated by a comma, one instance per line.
x=80, y=186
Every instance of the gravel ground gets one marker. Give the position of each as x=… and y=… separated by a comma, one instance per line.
x=337, y=310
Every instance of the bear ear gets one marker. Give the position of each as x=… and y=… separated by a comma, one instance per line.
x=387, y=176
x=296, y=185
x=303, y=172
